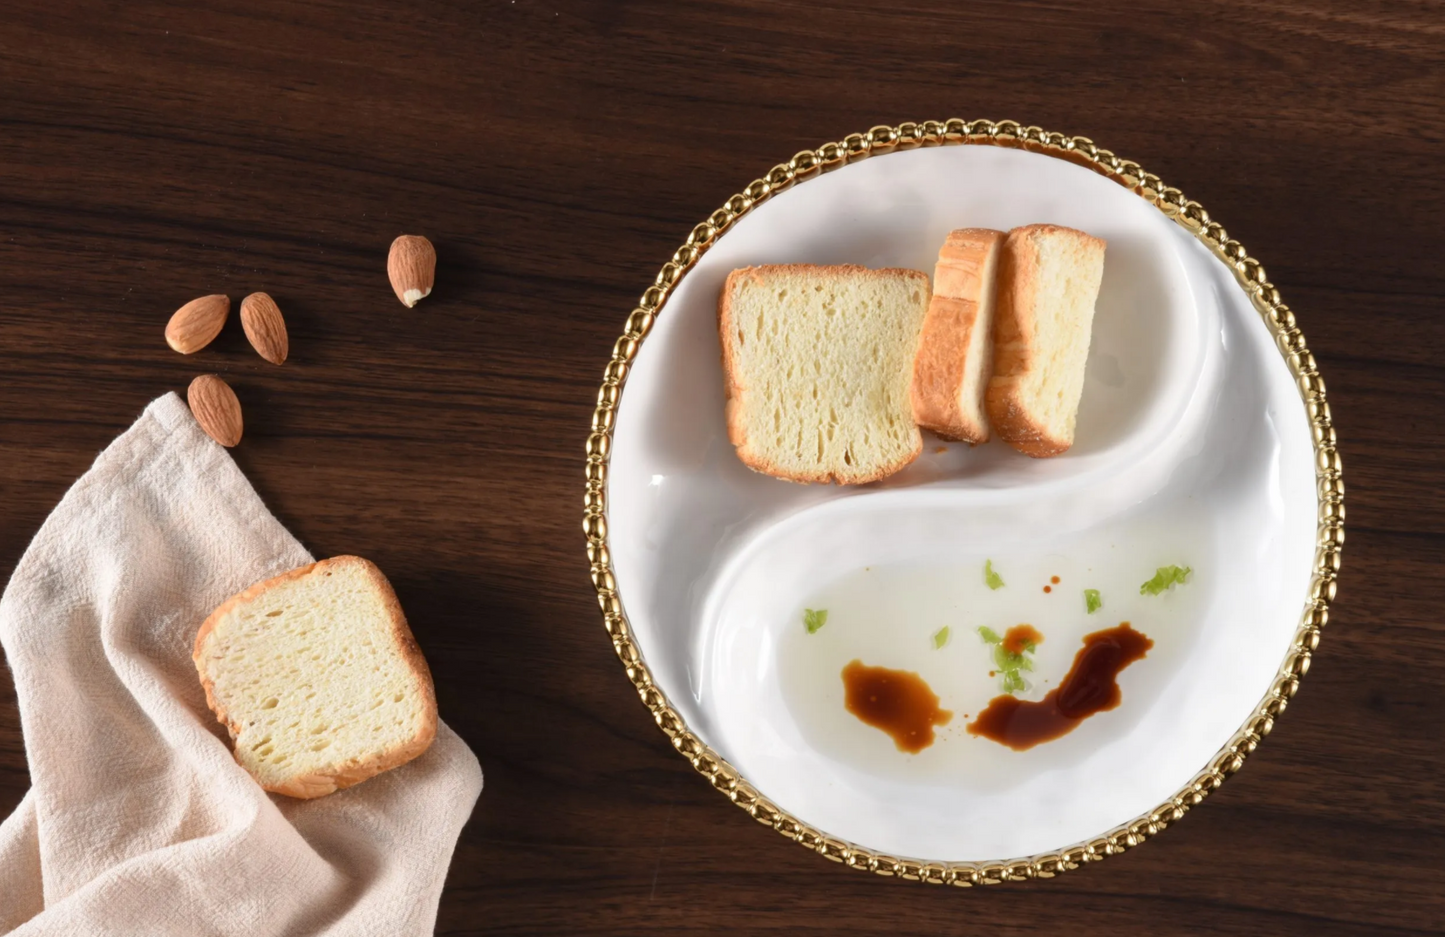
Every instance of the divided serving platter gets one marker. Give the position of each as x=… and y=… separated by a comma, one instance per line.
x=1203, y=438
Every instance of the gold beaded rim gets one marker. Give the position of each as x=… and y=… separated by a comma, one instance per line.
x=1266, y=299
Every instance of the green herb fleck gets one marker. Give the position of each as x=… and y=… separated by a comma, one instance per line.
x=1010, y=666
x=1166, y=578
x=990, y=578
x=813, y=620
x=1007, y=660
x=940, y=637
x=1092, y=601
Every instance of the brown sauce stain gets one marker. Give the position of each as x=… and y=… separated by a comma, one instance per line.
x=899, y=702
x=1091, y=686
x=1054, y=580
x=1048, y=588
x=1018, y=639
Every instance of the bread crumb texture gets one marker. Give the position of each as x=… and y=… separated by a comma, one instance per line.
x=1050, y=280
x=318, y=678
x=820, y=363
x=1069, y=277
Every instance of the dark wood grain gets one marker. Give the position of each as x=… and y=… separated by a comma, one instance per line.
x=557, y=153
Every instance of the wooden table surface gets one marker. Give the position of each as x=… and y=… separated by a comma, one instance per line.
x=557, y=154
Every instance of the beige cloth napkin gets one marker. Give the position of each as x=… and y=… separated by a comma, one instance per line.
x=138, y=820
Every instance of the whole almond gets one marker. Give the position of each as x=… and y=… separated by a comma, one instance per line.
x=215, y=407
x=412, y=266
x=266, y=330
x=194, y=325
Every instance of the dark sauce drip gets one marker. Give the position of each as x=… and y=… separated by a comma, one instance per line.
x=1091, y=686
x=897, y=701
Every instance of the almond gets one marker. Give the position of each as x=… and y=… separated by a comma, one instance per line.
x=412, y=266
x=215, y=407
x=266, y=330
x=194, y=325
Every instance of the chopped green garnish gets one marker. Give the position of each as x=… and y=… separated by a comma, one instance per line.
x=1092, y=601
x=1166, y=578
x=1009, y=665
x=940, y=637
x=990, y=578
x=813, y=620
x=1006, y=660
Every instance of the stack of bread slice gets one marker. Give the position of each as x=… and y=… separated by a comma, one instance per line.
x=830, y=370
x=1007, y=336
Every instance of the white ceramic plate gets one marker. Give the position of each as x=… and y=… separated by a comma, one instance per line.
x=1193, y=447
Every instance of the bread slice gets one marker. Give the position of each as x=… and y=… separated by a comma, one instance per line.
x=956, y=357
x=818, y=362
x=1048, y=279
x=318, y=678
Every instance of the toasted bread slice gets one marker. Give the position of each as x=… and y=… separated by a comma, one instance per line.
x=318, y=678
x=956, y=357
x=1048, y=280
x=818, y=362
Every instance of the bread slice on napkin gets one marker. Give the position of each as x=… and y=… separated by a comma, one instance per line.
x=318, y=678
x=955, y=360
x=1048, y=280
x=818, y=361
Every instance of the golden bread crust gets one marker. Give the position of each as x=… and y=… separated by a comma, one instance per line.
x=939, y=372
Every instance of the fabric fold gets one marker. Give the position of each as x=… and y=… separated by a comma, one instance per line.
x=138, y=820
